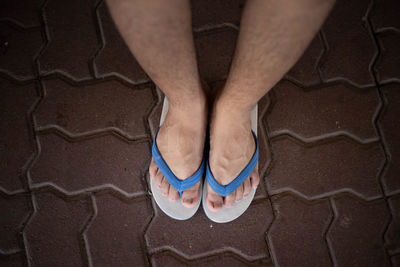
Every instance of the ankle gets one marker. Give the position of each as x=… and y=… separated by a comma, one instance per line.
x=232, y=108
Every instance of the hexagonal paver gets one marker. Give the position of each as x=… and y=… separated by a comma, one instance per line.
x=14, y=211
x=96, y=107
x=53, y=234
x=214, y=52
x=12, y=260
x=297, y=235
x=388, y=64
x=115, y=235
x=71, y=30
x=328, y=110
x=101, y=162
x=199, y=235
x=325, y=168
x=390, y=123
x=351, y=47
x=115, y=57
x=17, y=55
x=16, y=141
x=356, y=233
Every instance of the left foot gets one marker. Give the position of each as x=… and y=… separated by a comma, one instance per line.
x=231, y=148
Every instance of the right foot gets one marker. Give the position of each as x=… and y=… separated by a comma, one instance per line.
x=180, y=141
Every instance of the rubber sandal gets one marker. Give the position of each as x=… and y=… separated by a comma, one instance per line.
x=225, y=214
x=173, y=209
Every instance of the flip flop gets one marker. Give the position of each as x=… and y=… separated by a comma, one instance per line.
x=173, y=209
x=229, y=214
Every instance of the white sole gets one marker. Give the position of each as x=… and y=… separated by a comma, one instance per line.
x=173, y=209
x=225, y=214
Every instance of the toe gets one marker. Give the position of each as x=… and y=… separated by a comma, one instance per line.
x=255, y=178
x=173, y=195
x=230, y=199
x=158, y=178
x=239, y=193
x=152, y=169
x=191, y=196
x=246, y=187
x=213, y=201
x=164, y=187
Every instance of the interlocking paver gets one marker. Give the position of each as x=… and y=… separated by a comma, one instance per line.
x=14, y=212
x=313, y=219
x=25, y=12
x=388, y=64
x=393, y=233
x=72, y=37
x=115, y=236
x=396, y=260
x=16, y=57
x=16, y=142
x=385, y=14
x=215, y=50
x=356, y=234
x=112, y=161
x=115, y=57
x=318, y=170
x=199, y=235
x=168, y=260
x=54, y=233
x=390, y=124
x=305, y=71
x=210, y=13
x=106, y=105
x=351, y=47
x=12, y=260
x=328, y=110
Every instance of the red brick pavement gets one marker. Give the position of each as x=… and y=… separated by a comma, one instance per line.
x=77, y=117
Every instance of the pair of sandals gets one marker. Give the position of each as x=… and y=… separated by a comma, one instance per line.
x=176, y=210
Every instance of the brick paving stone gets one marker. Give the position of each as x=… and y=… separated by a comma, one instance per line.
x=54, y=233
x=168, y=260
x=91, y=163
x=298, y=233
x=25, y=12
x=16, y=142
x=390, y=124
x=16, y=54
x=14, y=212
x=388, y=64
x=305, y=71
x=199, y=235
x=115, y=57
x=356, y=233
x=350, y=45
x=71, y=30
x=393, y=234
x=326, y=110
x=396, y=260
x=324, y=168
x=214, y=52
x=209, y=13
x=265, y=155
x=385, y=14
x=94, y=107
x=115, y=236
x=12, y=260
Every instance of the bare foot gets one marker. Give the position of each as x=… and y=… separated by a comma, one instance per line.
x=231, y=148
x=181, y=144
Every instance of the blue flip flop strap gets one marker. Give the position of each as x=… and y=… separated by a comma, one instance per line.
x=225, y=190
x=178, y=185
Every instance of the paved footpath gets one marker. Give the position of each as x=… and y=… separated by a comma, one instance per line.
x=77, y=116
